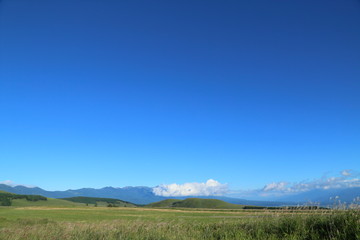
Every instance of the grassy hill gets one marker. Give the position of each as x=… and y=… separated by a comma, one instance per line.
x=103, y=202
x=50, y=202
x=165, y=203
x=6, y=198
x=21, y=200
x=196, y=203
x=4, y=192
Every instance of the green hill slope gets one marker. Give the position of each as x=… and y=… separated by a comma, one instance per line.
x=4, y=192
x=108, y=202
x=196, y=203
x=164, y=203
x=50, y=202
x=20, y=200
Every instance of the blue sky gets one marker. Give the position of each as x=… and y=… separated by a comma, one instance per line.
x=117, y=93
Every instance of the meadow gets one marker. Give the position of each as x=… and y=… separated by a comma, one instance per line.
x=88, y=222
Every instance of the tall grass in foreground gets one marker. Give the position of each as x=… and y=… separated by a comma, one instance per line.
x=337, y=224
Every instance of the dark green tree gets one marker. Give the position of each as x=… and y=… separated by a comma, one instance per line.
x=5, y=201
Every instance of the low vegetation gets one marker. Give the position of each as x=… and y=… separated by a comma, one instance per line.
x=6, y=199
x=141, y=223
x=108, y=202
x=163, y=204
x=20, y=200
x=173, y=219
x=195, y=203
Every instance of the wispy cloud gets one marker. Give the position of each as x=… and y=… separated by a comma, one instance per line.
x=346, y=172
x=9, y=183
x=346, y=179
x=13, y=184
x=275, y=186
x=209, y=188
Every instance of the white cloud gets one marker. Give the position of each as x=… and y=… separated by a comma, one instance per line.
x=346, y=180
x=277, y=189
x=346, y=172
x=13, y=184
x=279, y=186
x=9, y=183
x=210, y=188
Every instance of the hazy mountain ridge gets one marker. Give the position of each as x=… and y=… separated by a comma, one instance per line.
x=137, y=195
x=145, y=195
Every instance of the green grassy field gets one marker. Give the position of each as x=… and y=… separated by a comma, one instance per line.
x=196, y=203
x=100, y=202
x=81, y=222
x=51, y=202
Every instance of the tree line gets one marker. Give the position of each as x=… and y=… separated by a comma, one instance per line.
x=6, y=198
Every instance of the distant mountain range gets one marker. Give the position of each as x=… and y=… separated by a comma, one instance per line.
x=137, y=195
x=145, y=195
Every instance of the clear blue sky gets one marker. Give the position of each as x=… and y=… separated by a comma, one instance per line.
x=115, y=93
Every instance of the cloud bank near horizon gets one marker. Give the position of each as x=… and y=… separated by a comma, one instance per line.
x=209, y=188
x=346, y=179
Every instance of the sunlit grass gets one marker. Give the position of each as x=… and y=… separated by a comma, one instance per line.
x=144, y=223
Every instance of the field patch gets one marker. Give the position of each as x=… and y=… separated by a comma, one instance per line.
x=148, y=223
